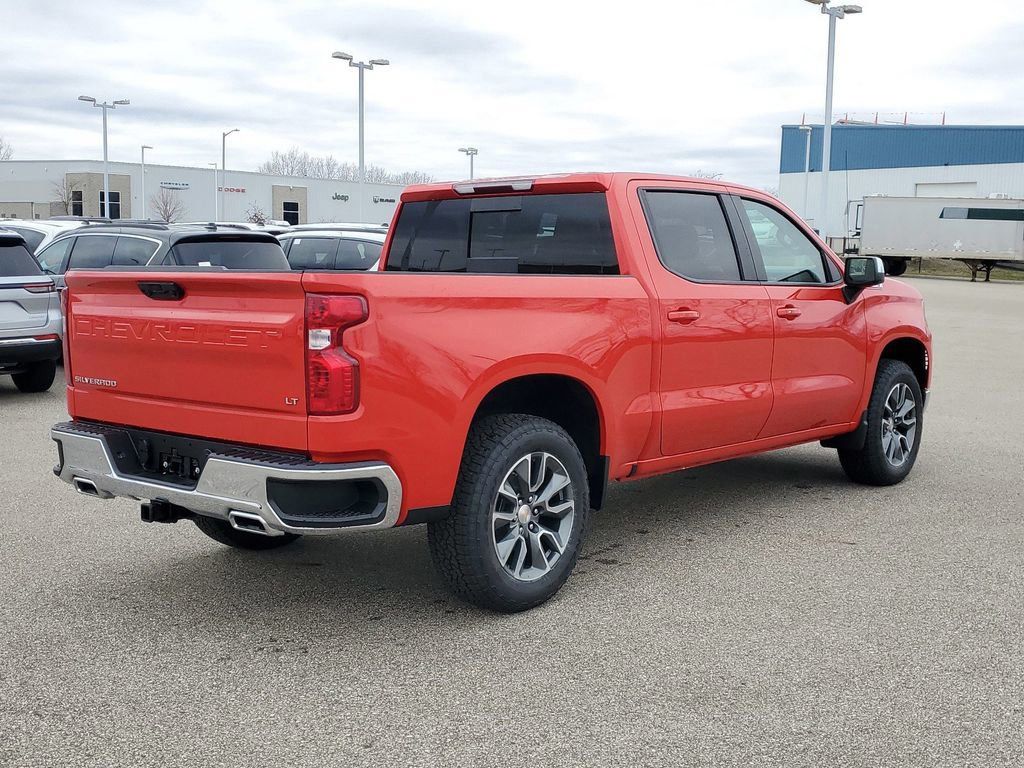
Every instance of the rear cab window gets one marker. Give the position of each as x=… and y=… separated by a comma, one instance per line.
x=228, y=252
x=16, y=261
x=691, y=235
x=553, y=234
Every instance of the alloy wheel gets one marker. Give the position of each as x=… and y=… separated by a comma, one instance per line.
x=532, y=516
x=899, y=425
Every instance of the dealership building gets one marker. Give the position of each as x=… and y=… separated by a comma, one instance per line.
x=899, y=161
x=42, y=188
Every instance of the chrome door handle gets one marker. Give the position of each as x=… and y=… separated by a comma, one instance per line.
x=683, y=315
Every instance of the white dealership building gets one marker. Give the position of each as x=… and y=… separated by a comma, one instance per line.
x=41, y=188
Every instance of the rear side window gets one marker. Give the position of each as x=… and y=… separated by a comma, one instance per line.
x=230, y=253
x=691, y=235
x=92, y=252
x=528, y=234
x=357, y=254
x=312, y=252
x=16, y=261
x=32, y=238
x=133, y=251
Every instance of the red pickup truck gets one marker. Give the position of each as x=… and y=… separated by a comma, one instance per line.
x=524, y=342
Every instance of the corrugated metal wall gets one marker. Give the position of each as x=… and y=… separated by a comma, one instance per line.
x=863, y=147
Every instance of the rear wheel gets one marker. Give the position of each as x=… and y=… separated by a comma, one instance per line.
x=38, y=377
x=519, y=514
x=894, y=428
x=221, y=531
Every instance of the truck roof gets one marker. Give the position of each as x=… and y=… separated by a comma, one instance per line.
x=547, y=183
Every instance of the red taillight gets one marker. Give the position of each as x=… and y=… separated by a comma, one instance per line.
x=39, y=287
x=332, y=375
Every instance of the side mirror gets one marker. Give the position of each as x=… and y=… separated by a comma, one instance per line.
x=862, y=272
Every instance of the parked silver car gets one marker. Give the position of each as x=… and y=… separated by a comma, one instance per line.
x=30, y=320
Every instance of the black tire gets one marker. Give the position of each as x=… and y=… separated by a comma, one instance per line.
x=221, y=530
x=37, y=378
x=870, y=465
x=896, y=267
x=463, y=545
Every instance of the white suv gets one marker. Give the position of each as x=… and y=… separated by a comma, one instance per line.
x=30, y=320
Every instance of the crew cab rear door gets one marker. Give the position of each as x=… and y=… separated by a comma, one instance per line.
x=715, y=319
x=206, y=352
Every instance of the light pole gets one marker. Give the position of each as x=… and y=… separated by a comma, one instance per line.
x=106, y=175
x=362, y=67
x=833, y=13
x=807, y=130
x=214, y=166
x=144, y=148
x=470, y=152
x=223, y=168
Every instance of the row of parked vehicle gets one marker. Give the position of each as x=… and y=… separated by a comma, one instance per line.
x=35, y=256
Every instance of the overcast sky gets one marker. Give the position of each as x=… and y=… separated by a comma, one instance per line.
x=538, y=86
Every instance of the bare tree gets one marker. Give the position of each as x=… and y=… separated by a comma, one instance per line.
x=699, y=174
x=296, y=162
x=256, y=214
x=63, y=191
x=6, y=150
x=167, y=206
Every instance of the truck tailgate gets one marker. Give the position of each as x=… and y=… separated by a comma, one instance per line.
x=226, y=361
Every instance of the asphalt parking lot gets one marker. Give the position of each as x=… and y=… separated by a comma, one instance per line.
x=759, y=612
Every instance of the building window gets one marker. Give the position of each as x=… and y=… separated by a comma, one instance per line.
x=290, y=210
x=115, y=205
x=76, y=203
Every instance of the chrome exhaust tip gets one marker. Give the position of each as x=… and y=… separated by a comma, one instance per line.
x=250, y=523
x=85, y=486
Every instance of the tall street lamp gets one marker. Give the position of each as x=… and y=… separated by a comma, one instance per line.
x=470, y=152
x=223, y=167
x=806, y=130
x=834, y=13
x=214, y=166
x=362, y=67
x=106, y=174
x=143, y=206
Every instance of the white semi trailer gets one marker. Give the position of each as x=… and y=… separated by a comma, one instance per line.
x=981, y=232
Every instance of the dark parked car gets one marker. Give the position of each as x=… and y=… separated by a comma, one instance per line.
x=150, y=245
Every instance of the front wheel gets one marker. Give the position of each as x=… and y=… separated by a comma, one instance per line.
x=519, y=514
x=893, y=428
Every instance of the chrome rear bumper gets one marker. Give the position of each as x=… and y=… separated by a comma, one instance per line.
x=231, y=488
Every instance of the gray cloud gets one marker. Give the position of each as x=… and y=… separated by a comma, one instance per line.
x=538, y=86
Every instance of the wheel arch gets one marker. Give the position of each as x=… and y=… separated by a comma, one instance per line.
x=913, y=352
x=565, y=400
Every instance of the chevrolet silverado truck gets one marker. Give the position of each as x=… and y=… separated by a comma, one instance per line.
x=524, y=342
